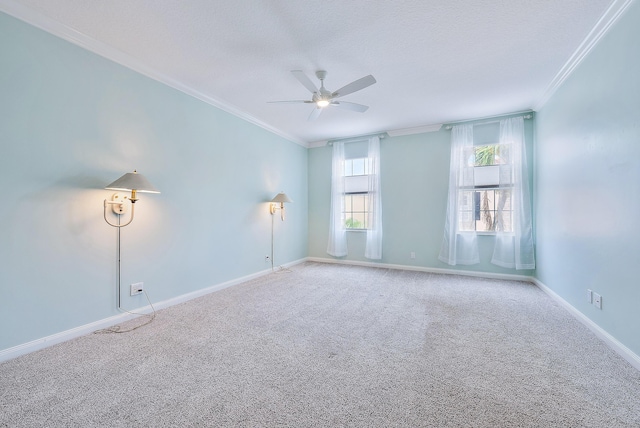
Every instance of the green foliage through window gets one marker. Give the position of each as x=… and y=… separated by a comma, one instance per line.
x=486, y=207
x=490, y=154
x=351, y=223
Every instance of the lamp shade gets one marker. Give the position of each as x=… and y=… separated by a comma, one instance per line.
x=281, y=197
x=133, y=181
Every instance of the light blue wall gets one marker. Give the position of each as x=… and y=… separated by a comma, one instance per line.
x=72, y=122
x=588, y=183
x=415, y=174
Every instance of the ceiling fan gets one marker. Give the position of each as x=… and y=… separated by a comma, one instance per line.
x=323, y=98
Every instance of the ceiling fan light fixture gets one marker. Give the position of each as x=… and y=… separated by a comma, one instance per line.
x=322, y=98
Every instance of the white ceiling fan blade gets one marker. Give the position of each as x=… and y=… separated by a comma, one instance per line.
x=315, y=113
x=306, y=82
x=350, y=106
x=354, y=86
x=290, y=102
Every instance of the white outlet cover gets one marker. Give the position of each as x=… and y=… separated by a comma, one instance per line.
x=597, y=300
x=135, y=287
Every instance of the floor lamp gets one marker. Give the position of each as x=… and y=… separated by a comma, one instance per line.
x=130, y=182
x=280, y=198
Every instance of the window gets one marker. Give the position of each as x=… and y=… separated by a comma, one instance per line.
x=356, y=186
x=489, y=193
x=486, y=207
x=356, y=199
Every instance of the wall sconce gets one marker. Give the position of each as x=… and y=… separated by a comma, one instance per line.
x=279, y=198
x=130, y=182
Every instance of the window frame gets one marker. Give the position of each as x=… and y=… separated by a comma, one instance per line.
x=486, y=184
x=349, y=214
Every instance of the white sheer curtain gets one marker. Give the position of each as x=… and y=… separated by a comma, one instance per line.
x=373, y=249
x=460, y=246
x=337, y=245
x=513, y=249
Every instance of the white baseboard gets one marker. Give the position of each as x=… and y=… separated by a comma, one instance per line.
x=35, y=345
x=476, y=274
x=611, y=341
x=63, y=336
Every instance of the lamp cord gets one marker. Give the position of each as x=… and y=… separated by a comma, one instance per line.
x=282, y=268
x=116, y=329
x=118, y=272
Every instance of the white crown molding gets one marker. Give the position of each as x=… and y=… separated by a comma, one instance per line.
x=394, y=133
x=416, y=130
x=526, y=114
x=317, y=144
x=51, y=26
x=615, y=11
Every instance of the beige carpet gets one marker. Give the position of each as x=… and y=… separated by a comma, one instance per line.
x=333, y=345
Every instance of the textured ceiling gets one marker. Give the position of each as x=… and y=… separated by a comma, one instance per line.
x=435, y=61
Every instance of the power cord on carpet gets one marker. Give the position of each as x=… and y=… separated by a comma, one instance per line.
x=117, y=328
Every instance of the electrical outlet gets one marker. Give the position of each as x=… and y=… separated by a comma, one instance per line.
x=137, y=288
x=267, y=259
x=413, y=255
x=597, y=300
x=589, y=296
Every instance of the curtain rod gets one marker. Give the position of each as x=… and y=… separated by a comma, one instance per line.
x=494, y=119
x=354, y=139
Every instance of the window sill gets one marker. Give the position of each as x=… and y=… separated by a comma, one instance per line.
x=356, y=230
